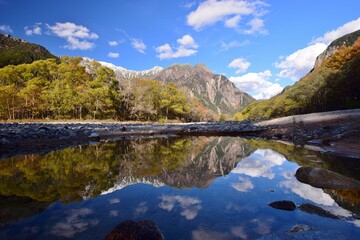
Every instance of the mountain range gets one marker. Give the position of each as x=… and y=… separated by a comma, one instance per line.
x=214, y=91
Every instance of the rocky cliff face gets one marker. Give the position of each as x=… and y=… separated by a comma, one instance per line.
x=215, y=92
x=346, y=40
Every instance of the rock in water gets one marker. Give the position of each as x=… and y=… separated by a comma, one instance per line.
x=322, y=178
x=283, y=205
x=312, y=209
x=94, y=136
x=130, y=230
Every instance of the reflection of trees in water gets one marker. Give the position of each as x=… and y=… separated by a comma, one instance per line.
x=13, y=208
x=76, y=173
x=348, y=199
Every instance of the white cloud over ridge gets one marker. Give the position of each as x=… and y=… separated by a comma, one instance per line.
x=33, y=30
x=77, y=36
x=298, y=64
x=6, y=29
x=186, y=47
x=347, y=28
x=231, y=12
x=241, y=64
x=257, y=84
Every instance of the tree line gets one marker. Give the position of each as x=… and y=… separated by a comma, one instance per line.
x=69, y=89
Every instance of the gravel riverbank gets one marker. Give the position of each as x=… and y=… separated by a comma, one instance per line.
x=338, y=133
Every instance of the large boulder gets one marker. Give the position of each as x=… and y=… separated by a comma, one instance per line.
x=130, y=230
x=322, y=178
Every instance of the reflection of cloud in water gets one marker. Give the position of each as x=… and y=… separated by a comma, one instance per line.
x=262, y=227
x=74, y=223
x=141, y=208
x=209, y=235
x=244, y=186
x=114, y=201
x=317, y=195
x=259, y=164
x=113, y=213
x=190, y=206
x=239, y=232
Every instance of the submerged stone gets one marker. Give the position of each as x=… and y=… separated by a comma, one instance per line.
x=283, y=205
x=312, y=209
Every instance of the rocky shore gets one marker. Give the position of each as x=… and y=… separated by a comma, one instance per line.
x=336, y=132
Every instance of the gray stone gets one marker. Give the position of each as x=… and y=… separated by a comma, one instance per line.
x=322, y=178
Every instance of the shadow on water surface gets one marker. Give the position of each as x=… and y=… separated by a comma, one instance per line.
x=220, y=186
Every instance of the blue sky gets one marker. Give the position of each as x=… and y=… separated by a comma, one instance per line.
x=261, y=45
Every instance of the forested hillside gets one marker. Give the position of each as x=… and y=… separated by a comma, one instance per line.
x=14, y=51
x=69, y=90
x=333, y=85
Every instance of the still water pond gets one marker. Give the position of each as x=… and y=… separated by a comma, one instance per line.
x=192, y=188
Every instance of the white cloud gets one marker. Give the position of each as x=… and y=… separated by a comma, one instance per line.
x=187, y=41
x=189, y=5
x=256, y=26
x=186, y=47
x=76, y=221
x=232, y=22
x=75, y=35
x=141, y=208
x=230, y=12
x=113, y=55
x=305, y=191
x=257, y=84
x=244, y=186
x=113, y=213
x=6, y=28
x=113, y=43
x=239, y=231
x=190, y=206
x=114, y=200
x=260, y=164
x=330, y=36
x=299, y=63
x=241, y=64
x=33, y=30
x=139, y=45
x=233, y=44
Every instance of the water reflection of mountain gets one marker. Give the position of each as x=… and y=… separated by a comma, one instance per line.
x=185, y=163
x=81, y=172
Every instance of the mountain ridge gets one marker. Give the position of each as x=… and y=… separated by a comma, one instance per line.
x=333, y=84
x=15, y=51
x=214, y=91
